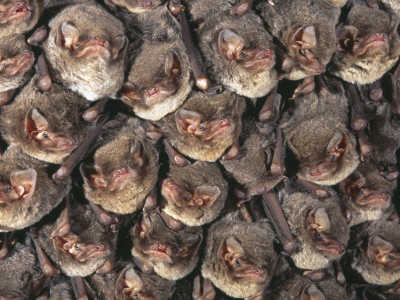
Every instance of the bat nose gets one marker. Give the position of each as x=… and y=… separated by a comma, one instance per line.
x=147, y=3
x=314, y=171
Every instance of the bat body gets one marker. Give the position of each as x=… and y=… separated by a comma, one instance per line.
x=17, y=17
x=194, y=194
x=21, y=275
x=319, y=226
x=172, y=254
x=125, y=167
x=374, y=252
x=315, y=129
x=47, y=126
x=16, y=61
x=28, y=192
x=368, y=44
x=205, y=126
x=306, y=30
x=239, y=256
x=127, y=282
x=86, y=58
x=238, y=51
x=77, y=247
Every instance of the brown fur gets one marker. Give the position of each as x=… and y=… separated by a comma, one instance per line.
x=248, y=82
x=308, y=127
x=367, y=68
x=88, y=229
x=10, y=47
x=61, y=289
x=113, y=151
x=92, y=78
x=160, y=233
x=286, y=15
x=296, y=206
x=61, y=108
x=190, y=177
x=370, y=271
x=257, y=242
x=210, y=107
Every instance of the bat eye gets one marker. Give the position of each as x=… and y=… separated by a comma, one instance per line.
x=137, y=296
x=201, y=128
x=389, y=256
x=7, y=189
x=4, y=64
x=242, y=54
x=77, y=247
x=237, y=262
x=304, y=52
x=332, y=157
x=318, y=236
x=46, y=135
x=360, y=191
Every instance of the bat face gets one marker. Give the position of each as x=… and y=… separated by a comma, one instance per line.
x=101, y=49
x=19, y=16
x=138, y=6
x=196, y=199
x=20, y=187
x=383, y=253
x=164, y=82
x=239, y=53
x=204, y=131
x=125, y=170
x=165, y=250
x=15, y=63
x=368, y=45
x=318, y=226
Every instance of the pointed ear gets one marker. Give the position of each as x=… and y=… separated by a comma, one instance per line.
x=337, y=144
x=242, y=8
x=312, y=293
x=187, y=121
x=378, y=248
x=143, y=226
x=230, y=248
x=34, y=121
x=355, y=180
x=129, y=281
x=138, y=154
x=24, y=182
x=345, y=36
x=205, y=195
x=229, y=43
x=172, y=64
x=67, y=35
x=318, y=219
x=129, y=92
x=190, y=246
x=119, y=46
x=93, y=176
x=304, y=38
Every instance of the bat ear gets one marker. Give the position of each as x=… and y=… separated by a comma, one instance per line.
x=205, y=195
x=24, y=182
x=120, y=44
x=338, y=143
x=172, y=64
x=129, y=92
x=67, y=35
x=318, y=219
x=190, y=245
x=312, y=293
x=34, y=121
x=230, y=248
x=354, y=181
x=93, y=176
x=143, y=226
x=129, y=281
x=242, y=8
x=346, y=35
x=378, y=248
x=229, y=43
x=187, y=121
x=304, y=38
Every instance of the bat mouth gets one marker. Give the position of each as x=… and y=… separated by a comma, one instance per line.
x=160, y=251
x=62, y=144
x=374, y=200
x=331, y=249
x=23, y=62
x=157, y=93
x=313, y=68
x=96, y=47
x=219, y=127
x=146, y=3
x=263, y=59
x=373, y=44
x=16, y=13
x=316, y=173
x=253, y=275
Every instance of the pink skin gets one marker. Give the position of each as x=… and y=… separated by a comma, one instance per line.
x=372, y=44
x=14, y=12
x=19, y=63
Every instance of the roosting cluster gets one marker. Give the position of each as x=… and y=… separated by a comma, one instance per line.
x=199, y=149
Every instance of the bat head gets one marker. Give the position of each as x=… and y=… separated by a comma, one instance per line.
x=20, y=187
x=138, y=6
